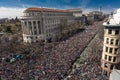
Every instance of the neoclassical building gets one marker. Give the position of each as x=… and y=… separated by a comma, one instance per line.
x=43, y=23
x=111, y=46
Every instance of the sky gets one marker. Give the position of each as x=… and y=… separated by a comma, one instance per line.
x=13, y=8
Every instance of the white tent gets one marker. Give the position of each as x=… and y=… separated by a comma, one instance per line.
x=115, y=75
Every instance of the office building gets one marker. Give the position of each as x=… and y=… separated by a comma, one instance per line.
x=43, y=23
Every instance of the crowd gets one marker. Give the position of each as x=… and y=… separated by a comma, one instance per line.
x=50, y=61
x=89, y=70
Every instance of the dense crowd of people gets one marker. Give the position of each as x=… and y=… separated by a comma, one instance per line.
x=50, y=61
x=89, y=70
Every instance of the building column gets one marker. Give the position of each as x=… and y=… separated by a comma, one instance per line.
x=40, y=27
x=37, y=29
x=32, y=27
x=22, y=26
x=27, y=28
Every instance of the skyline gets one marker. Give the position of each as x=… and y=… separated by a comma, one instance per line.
x=13, y=8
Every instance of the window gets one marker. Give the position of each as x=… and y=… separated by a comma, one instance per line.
x=39, y=27
x=34, y=23
x=110, y=57
x=25, y=23
x=109, y=31
x=35, y=32
x=112, y=41
x=107, y=41
x=114, y=59
x=34, y=27
x=111, y=67
x=39, y=14
x=105, y=57
x=31, y=14
x=116, y=49
x=105, y=72
x=27, y=14
x=111, y=49
x=29, y=23
x=106, y=49
x=117, y=42
x=106, y=65
x=31, y=37
x=116, y=32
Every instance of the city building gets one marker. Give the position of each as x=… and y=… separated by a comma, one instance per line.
x=44, y=24
x=94, y=15
x=76, y=12
x=111, y=46
x=78, y=15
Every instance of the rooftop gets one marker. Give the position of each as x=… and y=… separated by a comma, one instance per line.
x=45, y=10
x=113, y=20
x=74, y=9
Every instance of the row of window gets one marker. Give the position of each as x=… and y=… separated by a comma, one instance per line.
x=48, y=35
x=110, y=31
x=52, y=25
x=49, y=30
x=32, y=14
x=32, y=37
x=111, y=50
x=112, y=41
x=109, y=58
x=51, y=21
x=52, y=30
x=57, y=14
x=46, y=14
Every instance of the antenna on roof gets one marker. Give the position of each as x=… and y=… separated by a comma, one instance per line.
x=100, y=9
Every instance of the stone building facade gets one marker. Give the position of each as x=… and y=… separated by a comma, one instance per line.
x=43, y=23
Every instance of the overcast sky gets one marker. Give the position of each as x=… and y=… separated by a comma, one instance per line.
x=13, y=8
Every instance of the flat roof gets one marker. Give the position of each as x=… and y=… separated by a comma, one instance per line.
x=105, y=24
